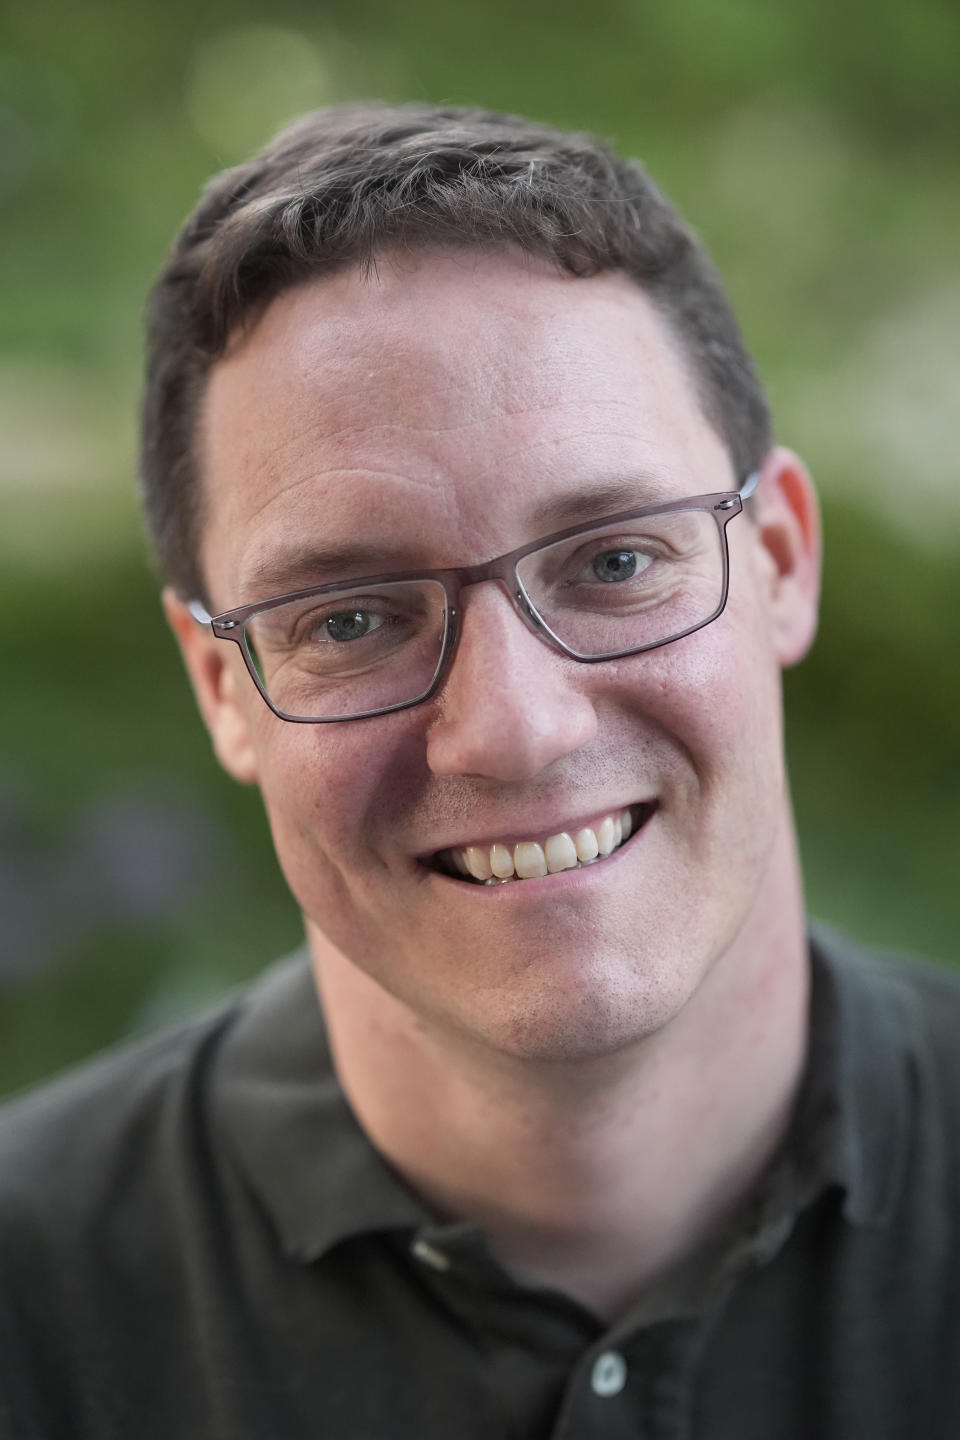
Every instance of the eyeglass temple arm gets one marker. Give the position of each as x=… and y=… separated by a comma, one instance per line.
x=747, y=489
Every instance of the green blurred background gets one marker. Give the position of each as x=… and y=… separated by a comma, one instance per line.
x=813, y=145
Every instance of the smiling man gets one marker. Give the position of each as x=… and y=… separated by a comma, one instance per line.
x=485, y=568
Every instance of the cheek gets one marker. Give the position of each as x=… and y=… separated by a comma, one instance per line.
x=311, y=783
x=328, y=789
x=714, y=702
x=742, y=764
x=716, y=693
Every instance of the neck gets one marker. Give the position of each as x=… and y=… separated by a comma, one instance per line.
x=597, y=1176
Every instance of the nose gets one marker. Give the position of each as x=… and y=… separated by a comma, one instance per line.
x=507, y=708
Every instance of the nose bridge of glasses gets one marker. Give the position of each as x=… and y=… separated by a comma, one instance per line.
x=502, y=572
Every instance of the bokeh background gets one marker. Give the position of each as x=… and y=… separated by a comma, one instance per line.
x=813, y=145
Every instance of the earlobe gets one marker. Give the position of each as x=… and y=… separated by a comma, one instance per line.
x=216, y=676
x=788, y=525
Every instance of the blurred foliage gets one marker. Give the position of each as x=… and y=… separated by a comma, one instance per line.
x=814, y=147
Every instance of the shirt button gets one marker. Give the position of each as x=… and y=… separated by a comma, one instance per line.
x=430, y=1255
x=609, y=1373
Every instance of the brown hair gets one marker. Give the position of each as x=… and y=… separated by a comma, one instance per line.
x=344, y=183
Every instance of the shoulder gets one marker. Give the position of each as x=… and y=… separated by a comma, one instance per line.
x=123, y=1212
x=77, y=1142
x=933, y=984
x=924, y=992
x=128, y=1129
x=91, y=1168
x=927, y=995
x=901, y=1053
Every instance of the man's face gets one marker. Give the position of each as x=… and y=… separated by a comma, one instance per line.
x=448, y=409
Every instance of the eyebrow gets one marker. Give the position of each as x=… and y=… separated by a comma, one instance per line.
x=299, y=568
x=592, y=502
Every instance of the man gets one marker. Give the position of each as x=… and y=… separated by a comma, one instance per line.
x=484, y=568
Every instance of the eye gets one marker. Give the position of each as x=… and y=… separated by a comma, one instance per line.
x=351, y=624
x=613, y=565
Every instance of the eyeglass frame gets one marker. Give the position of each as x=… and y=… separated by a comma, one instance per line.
x=722, y=505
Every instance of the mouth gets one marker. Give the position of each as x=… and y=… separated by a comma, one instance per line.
x=506, y=862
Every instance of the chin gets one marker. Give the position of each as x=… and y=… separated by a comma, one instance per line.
x=590, y=1014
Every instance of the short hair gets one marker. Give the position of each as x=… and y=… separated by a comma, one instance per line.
x=344, y=184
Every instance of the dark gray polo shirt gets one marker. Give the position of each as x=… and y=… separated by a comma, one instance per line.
x=197, y=1240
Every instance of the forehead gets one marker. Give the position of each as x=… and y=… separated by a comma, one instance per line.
x=441, y=409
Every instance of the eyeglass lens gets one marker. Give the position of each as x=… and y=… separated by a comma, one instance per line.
x=332, y=656
x=377, y=646
x=641, y=584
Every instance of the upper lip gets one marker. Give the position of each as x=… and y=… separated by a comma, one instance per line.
x=512, y=831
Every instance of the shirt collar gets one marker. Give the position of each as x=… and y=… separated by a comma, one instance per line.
x=288, y=1125
x=293, y=1136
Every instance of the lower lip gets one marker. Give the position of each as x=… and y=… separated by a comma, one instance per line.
x=562, y=882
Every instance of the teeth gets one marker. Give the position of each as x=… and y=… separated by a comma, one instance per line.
x=560, y=853
x=478, y=862
x=530, y=859
x=501, y=862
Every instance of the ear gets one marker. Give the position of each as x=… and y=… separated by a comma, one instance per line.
x=218, y=676
x=787, y=521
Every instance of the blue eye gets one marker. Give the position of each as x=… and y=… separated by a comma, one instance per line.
x=613, y=565
x=348, y=625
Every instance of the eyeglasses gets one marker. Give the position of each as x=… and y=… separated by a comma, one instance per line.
x=619, y=586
